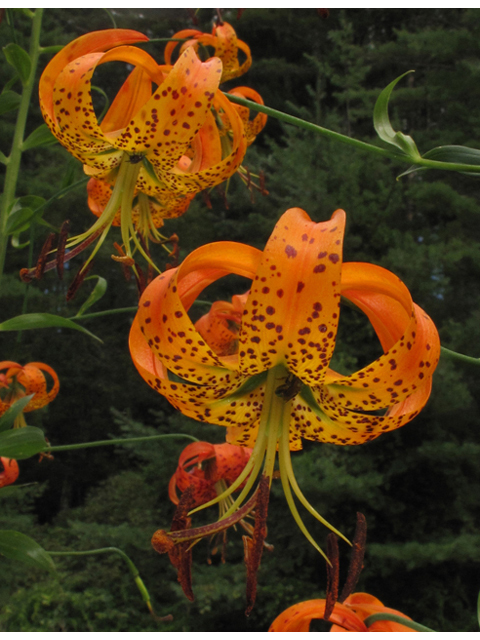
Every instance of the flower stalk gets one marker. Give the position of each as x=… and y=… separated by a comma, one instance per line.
x=14, y=159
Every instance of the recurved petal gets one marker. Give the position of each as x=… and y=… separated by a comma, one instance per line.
x=365, y=605
x=408, y=335
x=134, y=93
x=180, y=35
x=236, y=401
x=230, y=461
x=89, y=43
x=77, y=126
x=33, y=380
x=299, y=616
x=252, y=127
x=172, y=117
x=331, y=421
x=291, y=315
x=226, y=48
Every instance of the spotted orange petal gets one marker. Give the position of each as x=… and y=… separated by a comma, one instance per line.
x=299, y=616
x=365, y=605
x=291, y=315
x=252, y=127
x=89, y=43
x=172, y=117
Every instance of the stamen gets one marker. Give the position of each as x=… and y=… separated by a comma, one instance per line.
x=42, y=258
x=333, y=571
x=62, y=241
x=356, y=557
x=77, y=281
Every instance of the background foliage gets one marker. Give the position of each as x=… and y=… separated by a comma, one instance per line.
x=418, y=486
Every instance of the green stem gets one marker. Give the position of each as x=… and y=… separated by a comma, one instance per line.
x=362, y=146
x=459, y=357
x=13, y=167
x=103, y=443
x=107, y=312
x=391, y=617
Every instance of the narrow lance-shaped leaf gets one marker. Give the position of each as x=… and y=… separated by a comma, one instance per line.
x=97, y=293
x=42, y=321
x=18, y=546
x=382, y=125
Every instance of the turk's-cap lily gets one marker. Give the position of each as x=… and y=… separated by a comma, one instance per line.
x=158, y=144
x=226, y=46
x=9, y=473
x=348, y=616
x=204, y=472
x=203, y=466
x=17, y=382
x=278, y=388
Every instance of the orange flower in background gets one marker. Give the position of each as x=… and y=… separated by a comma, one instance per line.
x=277, y=387
x=17, y=381
x=203, y=466
x=159, y=146
x=348, y=616
x=225, y=43
x=10, y=471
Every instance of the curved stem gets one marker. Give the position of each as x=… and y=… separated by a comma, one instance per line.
x=453, y=355
x=13, y=166
x=107, y=312
x=103, y=443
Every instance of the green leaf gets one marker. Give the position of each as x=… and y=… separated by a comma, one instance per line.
x=22, y=213
x=9, y=101
x=18, y=546
x=22, y=443
x=42, y=321
x=41, y=137
x=19, y=59
x=457, y=154
x=450, y=153
x=97, y=293
x=8, y=418
x=384, y=129
x=19, y=220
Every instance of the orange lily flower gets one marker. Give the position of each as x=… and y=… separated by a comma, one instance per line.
x=225, y=43
x=10, y=471
x=348, y=616
x=18, y=381
x=206, y=465
x=162, y=145
x=205, y=470
x=278, y=387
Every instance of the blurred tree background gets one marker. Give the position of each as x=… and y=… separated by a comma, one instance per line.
x=417, y=486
